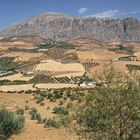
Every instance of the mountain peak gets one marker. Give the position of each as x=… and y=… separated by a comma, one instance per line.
x=62, y=27
x=53, y=14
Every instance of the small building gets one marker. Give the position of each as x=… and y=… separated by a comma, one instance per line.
x=83, y=85
x=87, y=84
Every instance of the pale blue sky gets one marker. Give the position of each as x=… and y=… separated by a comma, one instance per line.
x=12, y=11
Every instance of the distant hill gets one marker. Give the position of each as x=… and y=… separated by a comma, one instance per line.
x=63, y=27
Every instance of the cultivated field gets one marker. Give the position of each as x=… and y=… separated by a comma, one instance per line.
x=54, y=86
x=48, y=76
x=23, y=56
x=17, y=44
x=16, y=88
x=73, y=69
x=98, y=55
x=17, y=76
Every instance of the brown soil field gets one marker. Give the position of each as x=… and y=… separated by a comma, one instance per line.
x=54, y=86
x=53, y=66
x=15, y=88
x=23, y=56
x=26, y=87
x=17, y=44
x=98, y=55
x=88, y=44
x=138, y=55
x=17, y=76
x=119, y=66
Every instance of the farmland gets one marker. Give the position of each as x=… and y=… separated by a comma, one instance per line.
x=44, y=79
x=53, y=66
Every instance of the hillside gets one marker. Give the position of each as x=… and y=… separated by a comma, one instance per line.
x=64, y=27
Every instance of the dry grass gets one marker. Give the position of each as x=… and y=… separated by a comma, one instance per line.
x=24, y=87
x=17, y=44
x=138, y=55
x=98, y=55
x=55, y=86
x=73, y=69
x=17, y=76
x=23, y=56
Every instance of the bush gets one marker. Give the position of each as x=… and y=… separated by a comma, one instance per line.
x=69, y=105
x=52, y=123
x=10, y=123
x=33, y=113
x=26, y=107
x=60, y=110
x=42, y=104
x=111, y=113
x=65, y=120
x=22, y=91
x=39, y=100
x=48, y=108
x=38, y=118
x=28, y=91
x=65, y=98
x=20, y=112
x=61, y=103
x=44, y=121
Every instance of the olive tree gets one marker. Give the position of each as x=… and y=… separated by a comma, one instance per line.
x=111, y=112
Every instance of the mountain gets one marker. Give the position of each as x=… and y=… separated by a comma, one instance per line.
x=64, y=27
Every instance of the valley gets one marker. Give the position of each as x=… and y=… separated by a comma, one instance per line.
x=45, y=75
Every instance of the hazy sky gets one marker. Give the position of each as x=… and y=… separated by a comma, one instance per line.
x=12, y=11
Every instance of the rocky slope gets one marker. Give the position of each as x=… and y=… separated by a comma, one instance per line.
x=64, y=27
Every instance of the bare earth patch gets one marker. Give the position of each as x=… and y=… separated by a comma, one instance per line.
x=23, y=56
x=24, y=87
x=54, y=86
x=17, y=76
x=73, y=69
x=98, y=55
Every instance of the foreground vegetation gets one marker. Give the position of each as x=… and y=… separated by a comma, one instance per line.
x=110, y=111
x=10, y=123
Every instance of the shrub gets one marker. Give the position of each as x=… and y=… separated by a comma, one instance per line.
x=60, y=110
x=10, y=123
x=39, y=100
x=42, y=104
x=111, y=113
x=52, y=123
x=27, y=101
x=33, y=113
x=69, y=105
x=20, y=112
x=22, y=91
x=38, y=118
x=48, y=108
x=61, y=103
x=65, y=120
x=44, y=121
x=65, y=98
x=26, y=107
x=28, y=91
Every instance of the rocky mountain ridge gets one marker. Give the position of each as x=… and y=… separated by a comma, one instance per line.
x=63, y=27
